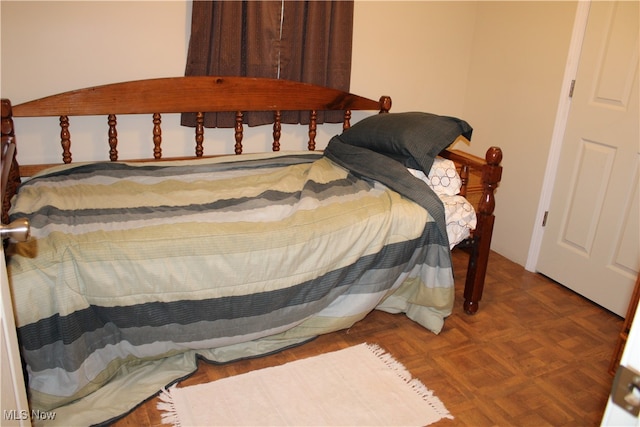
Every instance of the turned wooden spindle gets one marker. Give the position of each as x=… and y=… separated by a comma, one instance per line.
x=199, y=134
x=113, y=137
x=313, y=126
x=491, y=175
x=238, y=133
x=157, y=136
x=464, y=179
x=277, y=127
x=65, y=139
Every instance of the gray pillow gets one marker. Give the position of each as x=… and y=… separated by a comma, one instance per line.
x=413, y=138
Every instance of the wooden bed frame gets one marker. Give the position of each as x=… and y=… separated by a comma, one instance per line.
x=238, y=95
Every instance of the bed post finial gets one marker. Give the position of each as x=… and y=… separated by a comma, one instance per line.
x=346, y=122
x=494, y=156
x=491, y=176
x=385, y=104
x=7, y=121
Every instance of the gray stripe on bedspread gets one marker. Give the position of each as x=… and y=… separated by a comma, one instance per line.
x=275, y=308
x=50, y=215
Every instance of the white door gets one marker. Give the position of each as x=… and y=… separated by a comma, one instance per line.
x=592, y=235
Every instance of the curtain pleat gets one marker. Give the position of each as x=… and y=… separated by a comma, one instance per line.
x=306, y=41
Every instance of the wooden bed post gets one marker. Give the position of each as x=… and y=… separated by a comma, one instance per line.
x=491, y=175
x=10, y=169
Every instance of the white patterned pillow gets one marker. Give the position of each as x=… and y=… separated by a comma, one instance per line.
x=443, y=177
x=461, y=218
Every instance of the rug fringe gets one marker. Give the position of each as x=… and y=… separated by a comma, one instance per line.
x=167, y=407
x=415, y=384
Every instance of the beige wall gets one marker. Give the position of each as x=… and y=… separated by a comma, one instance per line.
x=497, y=64
x=517, y=66
x=51, y=46
x=418, y=53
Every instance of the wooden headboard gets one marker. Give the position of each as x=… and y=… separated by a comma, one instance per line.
x=194, y=95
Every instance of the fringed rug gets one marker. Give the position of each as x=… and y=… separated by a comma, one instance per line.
x=357, y=386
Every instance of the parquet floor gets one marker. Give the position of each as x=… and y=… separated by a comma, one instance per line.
x=536, y=354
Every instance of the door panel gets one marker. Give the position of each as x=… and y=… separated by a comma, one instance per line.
x=586, y=195
x=592, y=235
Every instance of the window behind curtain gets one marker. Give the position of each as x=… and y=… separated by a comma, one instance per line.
x=307, y=41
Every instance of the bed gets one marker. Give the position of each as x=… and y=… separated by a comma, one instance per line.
x=136, y=268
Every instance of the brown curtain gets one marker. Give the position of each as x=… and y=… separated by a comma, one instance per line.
x=307, y=41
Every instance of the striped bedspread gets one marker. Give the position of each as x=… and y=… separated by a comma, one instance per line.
x=132, y=264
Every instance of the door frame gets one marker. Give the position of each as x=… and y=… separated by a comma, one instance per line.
x=614, y=415
x=557, y=138
x=14, y=405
